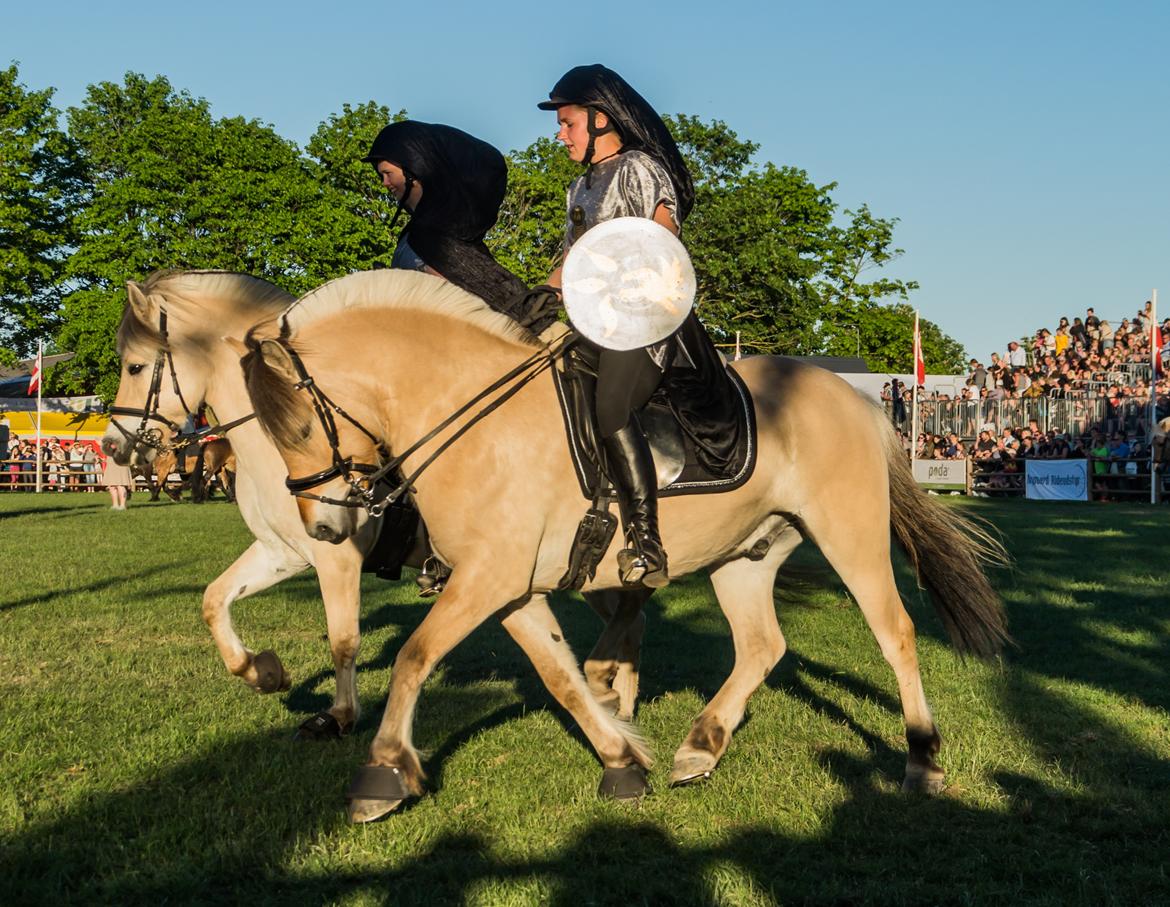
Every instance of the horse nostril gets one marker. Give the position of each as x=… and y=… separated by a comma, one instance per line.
x=109, y=446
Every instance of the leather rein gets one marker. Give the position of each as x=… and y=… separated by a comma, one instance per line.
x=148, y=436
x=365, y=479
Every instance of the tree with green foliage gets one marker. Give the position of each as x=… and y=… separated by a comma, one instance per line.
x=38, y=188
x=170, y=187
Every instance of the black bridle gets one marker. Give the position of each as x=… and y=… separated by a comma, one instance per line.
x=366, y=479
x=148, y=436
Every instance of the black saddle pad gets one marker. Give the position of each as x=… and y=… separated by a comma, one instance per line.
x=676, y=449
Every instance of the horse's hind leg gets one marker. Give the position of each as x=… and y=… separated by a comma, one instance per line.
x=257, y=568
x=861, y=558
x=744, y=590
x=612, y=667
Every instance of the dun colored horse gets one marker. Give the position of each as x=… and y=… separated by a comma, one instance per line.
x=173, y=362
x=175, y=321
x=218, y=463
x=400, y=352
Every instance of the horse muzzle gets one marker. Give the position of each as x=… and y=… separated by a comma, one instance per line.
x=328, y=522
x=125, y=448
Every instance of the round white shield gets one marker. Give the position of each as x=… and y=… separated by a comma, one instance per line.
x=628, y=283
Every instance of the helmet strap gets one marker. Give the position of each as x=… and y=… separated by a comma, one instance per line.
x=408, y=188
x=594, y=132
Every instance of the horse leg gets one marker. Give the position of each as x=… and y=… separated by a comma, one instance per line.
x=861, y=557
x=259, y=567
x=625, y=755
x=394, y=772
x=744, y=590
x=612, y=667
x=339, y=577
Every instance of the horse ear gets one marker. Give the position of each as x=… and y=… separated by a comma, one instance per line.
x=139, y=301
x=276, y=357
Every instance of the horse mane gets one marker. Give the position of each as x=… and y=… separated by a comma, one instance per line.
x=181, y=289
x=279, y=407
x=392, y=289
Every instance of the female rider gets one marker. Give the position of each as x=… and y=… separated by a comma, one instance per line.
x=452, y=184
x=634, y=169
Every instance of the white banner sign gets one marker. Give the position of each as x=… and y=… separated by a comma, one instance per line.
x=941, y=475
x=1057, y=480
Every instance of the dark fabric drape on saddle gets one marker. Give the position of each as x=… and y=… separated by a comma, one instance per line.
x=464, y=180
x=703, y=399
x=640, y=127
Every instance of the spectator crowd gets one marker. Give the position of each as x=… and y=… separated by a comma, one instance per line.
x=1094, y=377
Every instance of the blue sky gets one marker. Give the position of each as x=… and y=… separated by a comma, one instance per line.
x=1025, y=147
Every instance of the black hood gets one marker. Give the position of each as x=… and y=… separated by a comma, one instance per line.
x=640, y=126
x=463, y=178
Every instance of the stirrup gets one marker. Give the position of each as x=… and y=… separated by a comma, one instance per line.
x=432, y=578
x=634, y=568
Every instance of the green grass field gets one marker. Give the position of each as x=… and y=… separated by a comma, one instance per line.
x=134, y=769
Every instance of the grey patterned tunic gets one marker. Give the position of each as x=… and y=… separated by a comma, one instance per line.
x=631, y=184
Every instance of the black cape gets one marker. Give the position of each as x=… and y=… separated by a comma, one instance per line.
x=464, y=180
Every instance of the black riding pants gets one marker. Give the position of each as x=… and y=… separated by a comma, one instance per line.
x=626, y=379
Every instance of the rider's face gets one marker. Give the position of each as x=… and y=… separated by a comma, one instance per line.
x=394, y=179
x=574, y=130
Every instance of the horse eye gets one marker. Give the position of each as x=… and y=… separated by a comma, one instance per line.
x=136, y=368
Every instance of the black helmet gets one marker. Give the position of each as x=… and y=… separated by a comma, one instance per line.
x=595, y=87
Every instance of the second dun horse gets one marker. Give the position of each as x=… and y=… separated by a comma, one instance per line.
x=502, y=505
x=173, y=363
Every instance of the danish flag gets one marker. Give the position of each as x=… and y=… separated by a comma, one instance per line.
x=919, y=362
x=34, y=382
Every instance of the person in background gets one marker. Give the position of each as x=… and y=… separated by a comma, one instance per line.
x=119, y=482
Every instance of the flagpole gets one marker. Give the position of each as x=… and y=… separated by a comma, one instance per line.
x=1155, y=332
x=914, y=394
x=40, y=384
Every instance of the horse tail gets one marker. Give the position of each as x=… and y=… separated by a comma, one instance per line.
x=950, y=553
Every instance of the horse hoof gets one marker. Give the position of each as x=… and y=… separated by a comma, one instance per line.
x=626, y=783
x=271, y=676
x=366, y=811
x=375, y=792
x=690, y=770
x=322, y=726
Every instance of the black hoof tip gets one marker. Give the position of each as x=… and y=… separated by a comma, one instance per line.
x=626, y=783
x=322, y=726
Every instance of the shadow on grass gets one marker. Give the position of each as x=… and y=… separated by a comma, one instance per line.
x=222, y=827
x=95, y=586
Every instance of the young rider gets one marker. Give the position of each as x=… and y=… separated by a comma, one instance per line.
x=452, y=185
x=633, y=169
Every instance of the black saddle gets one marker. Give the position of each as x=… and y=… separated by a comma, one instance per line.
x=700, y=423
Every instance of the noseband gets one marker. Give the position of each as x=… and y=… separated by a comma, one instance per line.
x=386, y=476
x=152, y=437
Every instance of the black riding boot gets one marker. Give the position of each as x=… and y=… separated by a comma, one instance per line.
x=631, y=467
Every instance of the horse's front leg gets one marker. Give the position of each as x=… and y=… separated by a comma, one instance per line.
x=259, y=567
x=339, y=574
x=394, y=772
